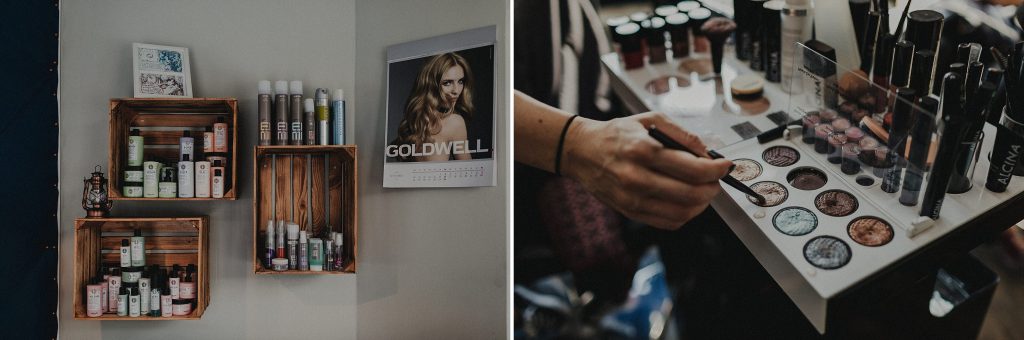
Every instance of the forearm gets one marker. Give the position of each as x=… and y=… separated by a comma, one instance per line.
x=538, y=127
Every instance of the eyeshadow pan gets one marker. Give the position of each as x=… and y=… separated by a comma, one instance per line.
x=746, y=169
x=827, y=252
x=870, y=231
x=774, y=193
x=836, y=203
x=781, y=156
x=795, y=221
x=865, y=180
x=807, y=178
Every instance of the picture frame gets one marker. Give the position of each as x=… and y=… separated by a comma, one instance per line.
x=161, y=71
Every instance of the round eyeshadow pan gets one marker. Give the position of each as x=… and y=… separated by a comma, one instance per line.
x=795, y=221
x=807, y=178
x=746, y=169
x=827, y=252
x=865, y=180
x=774, y=193
x=870, y=231
x=781, y=156
x=836, y=203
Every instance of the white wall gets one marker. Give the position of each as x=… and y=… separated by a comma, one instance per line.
x=233, y=44
x=433, y=261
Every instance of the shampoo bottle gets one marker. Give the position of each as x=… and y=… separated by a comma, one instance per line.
x=220, y=135
x=138, y=245
x=202, y=179
x=187, y=146
x=135, y=148
x=92, y=298
x=186, y=177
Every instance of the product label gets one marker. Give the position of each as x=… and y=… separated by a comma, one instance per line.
x=154, y=300
x=132, y=191
x=264, y=132
x=282, y=132
x=138, y=257
x=181, y=309
x=133, y=176
x=133, y=306
x=165, y=306
x=173, y=283
x=131, y=277
x=188, y=148
x=134, y=151
x=93, y=303
x=168, y=189
x=218, y=187
x=122, y=305
x=296, y=131
x=113, y=288
x=126, y=257
x=220, y=137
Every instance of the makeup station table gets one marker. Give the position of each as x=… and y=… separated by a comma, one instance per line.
x=885, y=279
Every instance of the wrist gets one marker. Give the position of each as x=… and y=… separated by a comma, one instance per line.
x=573, y=155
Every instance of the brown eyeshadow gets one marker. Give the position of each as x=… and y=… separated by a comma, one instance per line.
x=781, y=156
x=870, y=231
x=774, y=193
x=807, y=178
x=836, y=203
x=746, y=169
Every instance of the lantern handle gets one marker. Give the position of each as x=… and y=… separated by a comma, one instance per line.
x=98, y=168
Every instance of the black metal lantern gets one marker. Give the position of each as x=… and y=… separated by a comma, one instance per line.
x=94, y=197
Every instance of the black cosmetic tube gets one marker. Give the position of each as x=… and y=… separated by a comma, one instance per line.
x=902, y=58
x=867, y=54
x=921, y=71
x=901, y=118
x=917, y=158
x=771, y=21
x=741, y=14
x=963, y=164
x=1006, y=152
x=859, y=13
x=951, y=134
x=756, y=36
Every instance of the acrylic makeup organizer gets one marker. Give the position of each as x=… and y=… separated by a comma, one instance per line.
x=161, y=122
x=169, y=241
x=966, y=219
x=314, y=186
x=828, y=298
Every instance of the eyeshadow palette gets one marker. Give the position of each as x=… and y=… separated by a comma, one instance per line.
x=825, y=228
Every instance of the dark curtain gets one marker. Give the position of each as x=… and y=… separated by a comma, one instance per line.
x=28, y=150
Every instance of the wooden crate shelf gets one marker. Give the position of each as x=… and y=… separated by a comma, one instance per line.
x=281, y=191
x=97, y=241
x=161, y=122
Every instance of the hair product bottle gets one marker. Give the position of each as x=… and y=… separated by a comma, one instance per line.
x=217, y=180
x=220, y=135
x=138, y=245
x=186, y=177
x=295, y=111
x=338, y=117
x=208, y=141
x=309, y=121
x=173, y=282
x=135, y=147
x=187, y=287
x=150, y=177
x=114, y=288
x=126, y=254
x=134, y=303
x=92, y=298
x=202, y=179
x=144, y=288
x=168, y=188
x=281, y=112
x=263, y=108
x=187, y=146
x=293, y=244
x=303, y=251
x=122, y=301
x=133, y=179
x=316, y=255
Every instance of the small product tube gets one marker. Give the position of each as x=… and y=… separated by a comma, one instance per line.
x=150, y=179
x=208, y=141
x=323, y=117
x=295, y=111
x=270, y=249
x=281, y=112
x=122, y=301
x=138, y=244
x=136, y=145
x=281, y=245
x=338, y=117
x=93, y=298
x=303, y=251
x=134, y=303
x=186, y=146
x=187, y=287
x=113, y=288
x=144, y=290
x=174, y=283
x=263, y=100
x=220, y=135
x=126, y=254
x=316, y=255
x=309, y=121
x=328, y=254
x=186, y=178
x=339, y=252
x=202, y=179
x=104, y=293
x=293, y=246
x=217, y=180
x=166, y=306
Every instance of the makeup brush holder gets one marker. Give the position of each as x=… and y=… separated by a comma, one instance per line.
x=829, y=230
x=169, y=241
x=312, y=186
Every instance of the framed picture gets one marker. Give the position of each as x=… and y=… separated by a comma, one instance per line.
x=161, y=71
x=441, y=107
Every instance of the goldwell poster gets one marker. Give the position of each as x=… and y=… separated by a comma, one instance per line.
x=440, y=112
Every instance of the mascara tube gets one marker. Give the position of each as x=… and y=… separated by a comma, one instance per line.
x=951, y=133
x=263, y=107
x=295, y=110
x=917, y=158
x=322, y=117
x=281, y=112
x=901, y=116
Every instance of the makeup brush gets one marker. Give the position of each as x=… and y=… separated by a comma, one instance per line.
x=718, y=29
x=668, y=142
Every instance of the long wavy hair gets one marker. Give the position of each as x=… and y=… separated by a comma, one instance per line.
x=426, y=106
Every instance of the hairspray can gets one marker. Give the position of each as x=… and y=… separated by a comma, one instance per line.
x=338, y=117
x=295, y=111
x=263, y=107
x=310, y=121
x=281, y=112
